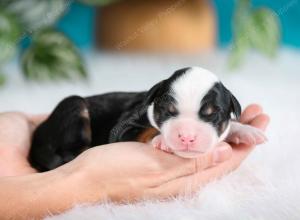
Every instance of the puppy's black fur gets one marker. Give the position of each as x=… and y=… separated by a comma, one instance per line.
x=77, y=123
x=223, y=104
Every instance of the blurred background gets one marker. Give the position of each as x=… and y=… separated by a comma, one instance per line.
x=52, y=49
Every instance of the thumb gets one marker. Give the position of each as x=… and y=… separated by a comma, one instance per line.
x=194, y=167
x=221, y=153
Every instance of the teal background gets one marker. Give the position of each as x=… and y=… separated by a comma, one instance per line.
x=79, y=21
x=78, y=24
x=287, y=10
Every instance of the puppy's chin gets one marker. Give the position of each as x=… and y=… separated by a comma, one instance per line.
x=188, y=154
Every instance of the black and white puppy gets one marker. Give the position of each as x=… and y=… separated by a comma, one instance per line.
x=187, y=114
x=193, y=111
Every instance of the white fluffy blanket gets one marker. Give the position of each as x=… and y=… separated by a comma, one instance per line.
x=266, y=186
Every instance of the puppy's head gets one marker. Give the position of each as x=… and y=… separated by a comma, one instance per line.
x=192, y=110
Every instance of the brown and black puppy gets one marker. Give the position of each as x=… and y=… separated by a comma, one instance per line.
x=187, y=114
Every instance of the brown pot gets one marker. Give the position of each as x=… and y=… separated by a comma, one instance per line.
x=184, y=26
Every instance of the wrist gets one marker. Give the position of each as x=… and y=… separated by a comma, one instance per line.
x=62, y=189
x=36, y=195
x=79, y=184
x=50, y=192
x=20, y=194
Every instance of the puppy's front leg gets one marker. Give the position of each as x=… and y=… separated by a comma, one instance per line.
x=245, y=134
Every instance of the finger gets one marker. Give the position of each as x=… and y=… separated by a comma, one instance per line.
x=220, y=154
x=193, y=183
x=177, y=167
x=14, y=130
x=240, y=152
x=188, y=184
x=250, y=113
x=15, y=165
x=184, y=186
x=35, y=120
x=224, y=153
x=261, y=121
x=174, y=186
x=196, y=181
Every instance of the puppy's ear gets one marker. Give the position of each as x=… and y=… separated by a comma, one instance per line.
x=154, y=92
x=235, y=106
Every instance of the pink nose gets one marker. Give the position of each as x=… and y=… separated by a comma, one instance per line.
x=186, y=139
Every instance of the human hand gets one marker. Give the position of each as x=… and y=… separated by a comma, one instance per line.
x=132, y=171
x=16, y=129
x=118, y=172
x=253, y=115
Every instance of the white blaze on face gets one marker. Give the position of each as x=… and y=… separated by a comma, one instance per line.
x=186, y=131
x=190, y=89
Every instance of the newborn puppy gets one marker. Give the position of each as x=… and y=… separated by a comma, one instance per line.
x=193, y=111
x=188, y=114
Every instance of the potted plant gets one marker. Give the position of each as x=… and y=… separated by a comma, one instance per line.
x=50, y=55
x=184, y=26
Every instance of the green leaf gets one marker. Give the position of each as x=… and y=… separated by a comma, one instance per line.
x=240, y=26
x=9, y=36
x=253, y=28
x=238, y=51
x=35, y=14
x=2, y=80
x=241, y=15
x=52, y=56
x=265, y=33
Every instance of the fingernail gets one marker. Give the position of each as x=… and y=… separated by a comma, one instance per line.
x=221, y=154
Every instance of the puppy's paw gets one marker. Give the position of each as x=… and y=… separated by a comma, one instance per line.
x=158, y=143
x=245, y=134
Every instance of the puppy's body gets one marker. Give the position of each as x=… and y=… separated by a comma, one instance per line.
x=190, y=112
x=79, y=123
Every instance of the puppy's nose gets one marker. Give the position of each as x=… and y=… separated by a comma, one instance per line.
x=186, y=139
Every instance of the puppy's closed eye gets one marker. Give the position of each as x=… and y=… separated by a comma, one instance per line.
x=172, y=109
x=208, y=110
